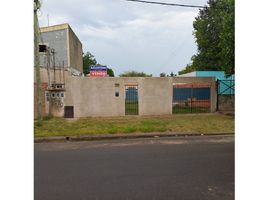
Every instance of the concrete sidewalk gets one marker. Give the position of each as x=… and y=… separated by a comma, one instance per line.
x=120, y=136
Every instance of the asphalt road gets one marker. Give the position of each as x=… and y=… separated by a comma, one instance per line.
x=186, y=168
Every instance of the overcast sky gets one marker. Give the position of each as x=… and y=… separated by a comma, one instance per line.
x=129, y=36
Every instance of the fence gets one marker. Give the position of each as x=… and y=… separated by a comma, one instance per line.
x=226, y=87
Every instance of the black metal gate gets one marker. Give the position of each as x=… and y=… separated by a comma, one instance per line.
x=131, y=100
x=191, y=98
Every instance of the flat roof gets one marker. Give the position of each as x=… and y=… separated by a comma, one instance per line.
x=58, y=27
x=54, y=27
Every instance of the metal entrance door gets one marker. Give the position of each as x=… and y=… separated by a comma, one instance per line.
x=131, y=100
x=68, y=112
x=191, y=98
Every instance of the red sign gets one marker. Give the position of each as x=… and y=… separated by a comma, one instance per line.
x=98, y=73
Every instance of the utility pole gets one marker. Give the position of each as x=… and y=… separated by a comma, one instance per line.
x=54, y=67
x=48, y=67
x=37, y=6
x=49, y=84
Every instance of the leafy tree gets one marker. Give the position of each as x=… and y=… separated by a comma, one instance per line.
x=214, y=34
x=227, y=39
x=110, y=72
x=135, y=74
x=189, y=68
x=171, y=74
x=88, y=59
x=163, y=74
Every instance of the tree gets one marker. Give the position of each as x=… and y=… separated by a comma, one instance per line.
x=110, y=72
x=163, y=74
x=189, y=68
x=88, y=60
x=171, y=74
x=214, y=34
x=227, y=40
x=135, y=74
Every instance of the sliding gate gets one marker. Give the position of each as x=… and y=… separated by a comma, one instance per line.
x=191, y=98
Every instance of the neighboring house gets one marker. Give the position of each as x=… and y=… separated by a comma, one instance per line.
x=219, y=75
x=67, y=46
x=226, y=83
x=68, y=53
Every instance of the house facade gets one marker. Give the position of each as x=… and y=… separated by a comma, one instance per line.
x=66, y=46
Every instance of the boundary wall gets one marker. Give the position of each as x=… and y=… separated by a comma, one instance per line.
x=97, y=96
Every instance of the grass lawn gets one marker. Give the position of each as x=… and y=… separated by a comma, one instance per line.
x=187, y=109
x=187, y=123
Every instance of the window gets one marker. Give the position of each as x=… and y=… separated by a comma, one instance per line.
x=42, y=48
x=117, y=94
x=62, y=94
x=58, y=94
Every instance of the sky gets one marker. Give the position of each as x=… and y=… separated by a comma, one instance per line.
x=127, y=35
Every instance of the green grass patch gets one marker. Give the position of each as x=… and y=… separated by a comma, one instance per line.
x=187, y=109
x=201, y=123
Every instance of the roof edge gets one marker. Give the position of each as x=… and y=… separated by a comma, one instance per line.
x=54, y=27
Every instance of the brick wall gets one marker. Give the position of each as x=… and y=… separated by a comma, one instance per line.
x=43, y=89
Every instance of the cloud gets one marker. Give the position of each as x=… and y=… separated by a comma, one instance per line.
x=129, y=36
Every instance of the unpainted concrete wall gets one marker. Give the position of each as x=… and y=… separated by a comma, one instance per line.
x=155, y=96
x=56, y=39
x=67, y=46
x=226, y=102
x=96, y=96
x=75, y=51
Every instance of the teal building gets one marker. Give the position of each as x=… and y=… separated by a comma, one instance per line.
x=226, y=84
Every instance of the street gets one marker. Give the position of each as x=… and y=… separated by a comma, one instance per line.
x=187, y=168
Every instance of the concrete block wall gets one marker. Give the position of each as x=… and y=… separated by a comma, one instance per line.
x=96, y=96
x=66, y=44
x=155, y=96
x=56, y=39
x=226, y=102
x=75, y=51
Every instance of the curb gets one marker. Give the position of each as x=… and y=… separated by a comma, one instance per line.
x=121, y=136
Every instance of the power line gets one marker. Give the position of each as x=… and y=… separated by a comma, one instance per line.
x=167, y=4
x=174, y=4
